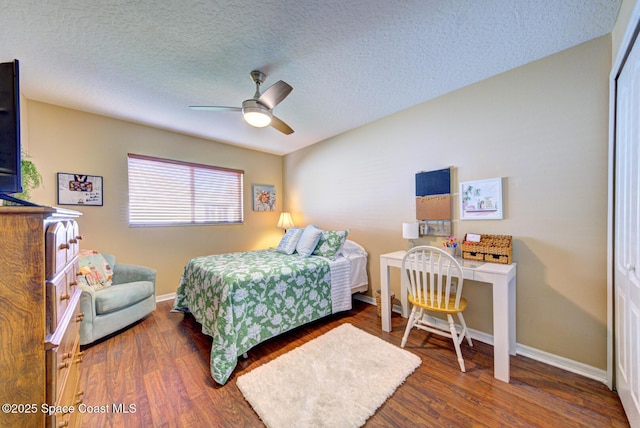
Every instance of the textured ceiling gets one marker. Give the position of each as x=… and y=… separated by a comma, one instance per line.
x=349, y=62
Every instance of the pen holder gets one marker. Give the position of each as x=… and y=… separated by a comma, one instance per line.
x=451, y=250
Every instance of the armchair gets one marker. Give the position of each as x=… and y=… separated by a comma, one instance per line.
x=130, y=297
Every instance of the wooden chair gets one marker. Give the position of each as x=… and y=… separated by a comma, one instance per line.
x=435, y=285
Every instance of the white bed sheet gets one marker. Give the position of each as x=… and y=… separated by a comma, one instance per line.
x=358, y=270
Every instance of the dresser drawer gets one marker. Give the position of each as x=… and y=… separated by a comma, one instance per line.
x=73, y=239
x=59, y=292
x=57, y=300
x=72, y=273
x=63, y=350
x=56, y=248
x=76, y=417
x=60, y=420
x=70, y=397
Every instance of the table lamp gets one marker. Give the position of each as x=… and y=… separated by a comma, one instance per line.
x=410, y=231
x=285, y=221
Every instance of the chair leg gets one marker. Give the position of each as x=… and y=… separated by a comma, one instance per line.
x=465, y=330
x=456, y=344
x=410, y=323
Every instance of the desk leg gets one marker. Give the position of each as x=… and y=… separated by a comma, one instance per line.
x=504, y=326
x=512, y=316
x=384, y=295
x=404, y=294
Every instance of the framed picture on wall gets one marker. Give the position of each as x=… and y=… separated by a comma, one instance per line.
x=264, y=197
x=481, y=199
x=79, y=189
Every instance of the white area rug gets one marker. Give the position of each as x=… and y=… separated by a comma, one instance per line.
x=336, y=380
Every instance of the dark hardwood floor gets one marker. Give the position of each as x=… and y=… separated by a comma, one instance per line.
x=158, y=372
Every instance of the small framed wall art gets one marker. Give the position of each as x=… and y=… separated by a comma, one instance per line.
x=264, y=197
x=481, y=199
x=79, y=189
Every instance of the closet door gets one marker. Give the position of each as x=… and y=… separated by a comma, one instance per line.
x=626, y=228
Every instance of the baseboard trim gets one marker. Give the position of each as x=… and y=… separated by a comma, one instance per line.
x=364, y=298
x=165, y=297
x=526, y=351
x=563, y=363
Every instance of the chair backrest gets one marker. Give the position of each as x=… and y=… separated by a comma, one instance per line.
x=433, y=274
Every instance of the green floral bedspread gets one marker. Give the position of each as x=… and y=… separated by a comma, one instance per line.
x=242, y=299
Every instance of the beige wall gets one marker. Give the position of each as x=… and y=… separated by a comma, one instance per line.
x=543, y=127
x=621, y=24
x=63, y=140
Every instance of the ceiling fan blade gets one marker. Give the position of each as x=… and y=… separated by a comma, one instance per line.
x=215, y=108
x=276, y=93
x=281, y=126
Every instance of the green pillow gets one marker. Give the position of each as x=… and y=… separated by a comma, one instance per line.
x=330, y=243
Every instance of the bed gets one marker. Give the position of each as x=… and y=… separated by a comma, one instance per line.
x=242, y=299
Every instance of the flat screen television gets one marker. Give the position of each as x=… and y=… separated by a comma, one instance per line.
x=10, y=155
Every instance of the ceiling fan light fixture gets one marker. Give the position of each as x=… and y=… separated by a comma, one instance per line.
x=255, y=114
x=257, y=111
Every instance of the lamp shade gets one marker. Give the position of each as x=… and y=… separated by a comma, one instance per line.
x=410, y=230
x=285, y=221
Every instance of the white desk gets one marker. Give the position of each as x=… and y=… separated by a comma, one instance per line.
x=501, y=277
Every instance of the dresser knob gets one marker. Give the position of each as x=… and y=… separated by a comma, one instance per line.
x=64, y=297
x=80, y=317
x=66, y=355
x=63, y=365
x=64, y=423
x=73, y=283
x=79, y=237
x=63, y=247
x=73, y=241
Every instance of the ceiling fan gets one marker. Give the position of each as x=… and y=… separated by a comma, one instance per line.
x=257, y=111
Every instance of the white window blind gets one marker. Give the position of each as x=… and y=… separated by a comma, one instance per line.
x=168, y=193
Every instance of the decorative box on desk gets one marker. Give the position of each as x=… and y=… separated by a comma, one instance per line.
x=491, y=248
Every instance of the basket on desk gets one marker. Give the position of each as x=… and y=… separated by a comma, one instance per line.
x=491, y=248
x=379, y=302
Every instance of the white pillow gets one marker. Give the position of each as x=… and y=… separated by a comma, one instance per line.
x=289, y=241
x=351, y=248
x=308, y=241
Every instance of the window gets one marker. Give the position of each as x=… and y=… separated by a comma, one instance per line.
x=169, y=193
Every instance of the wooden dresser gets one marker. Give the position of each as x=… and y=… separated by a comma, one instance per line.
x=39, y=317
